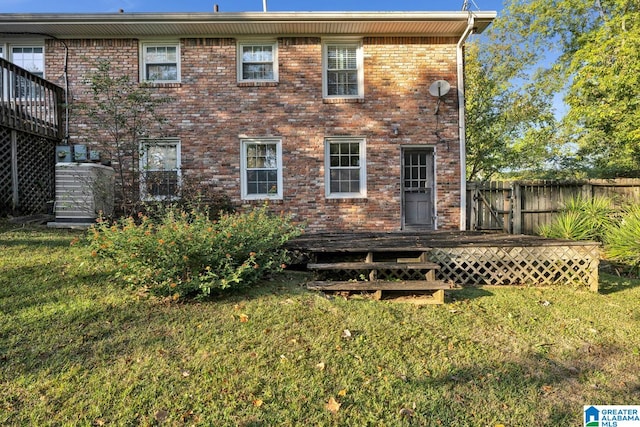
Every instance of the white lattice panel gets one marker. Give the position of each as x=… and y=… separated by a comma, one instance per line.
x=518, y=265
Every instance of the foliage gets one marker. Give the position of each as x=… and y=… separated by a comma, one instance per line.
x=623, y=241
x=185, y=253
x=582, y=219
x=538, y=51
x=121, y=112
x=509, y=126
x=78, y=349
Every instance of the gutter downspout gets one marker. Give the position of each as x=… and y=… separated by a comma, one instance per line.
x=461, y=122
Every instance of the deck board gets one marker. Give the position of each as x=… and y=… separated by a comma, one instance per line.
x=418, y=241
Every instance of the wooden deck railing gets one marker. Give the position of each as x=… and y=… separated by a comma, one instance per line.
x=29, y=103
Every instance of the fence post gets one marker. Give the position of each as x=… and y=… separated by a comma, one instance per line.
x=507, y=209
x=516, y=206
x=14, y=170
x=586, y=192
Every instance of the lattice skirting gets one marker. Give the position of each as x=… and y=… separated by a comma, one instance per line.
x=541, y=265
x=34, y=169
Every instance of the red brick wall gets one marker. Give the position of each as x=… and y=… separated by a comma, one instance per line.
x=211, y=112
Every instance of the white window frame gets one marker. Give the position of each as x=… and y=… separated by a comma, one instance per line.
x=12, y=86
x=30, y=45
x=244, y=168
x=362, y=193
x=144, y=151
x=240, y=59
x=143, y=60
x=351, y=43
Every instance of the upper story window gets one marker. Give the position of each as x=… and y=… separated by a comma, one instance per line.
x=343, y=74
x=31, y=58
x=160, y=62
x=261, y=166
x=160, y=169
x=257, y=62
x=345, y=168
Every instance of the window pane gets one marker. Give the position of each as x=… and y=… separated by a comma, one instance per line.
x=162, y=157
x=162, y=183
x=257, y=62
x=257, y=53
x=257, y=71
x=344, y=165
x=261, y=168
x=29, y=58
x=162, y=72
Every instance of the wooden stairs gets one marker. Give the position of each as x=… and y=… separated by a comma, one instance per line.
x=379, y=270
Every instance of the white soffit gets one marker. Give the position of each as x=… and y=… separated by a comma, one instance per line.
x=123, y=25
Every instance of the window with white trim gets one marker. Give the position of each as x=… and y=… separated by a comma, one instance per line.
x=261, y=168
x=257, y=61
x=343, y=74
x=31, y=58
x=160, y=62
x=160, y=169
x=345, y=167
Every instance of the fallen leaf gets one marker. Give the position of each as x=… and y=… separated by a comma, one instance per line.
x=499, y=425
x=320, y=366
x=406, y=412
x=333, y=405
x=257, y=403
x=244, y=318
x=161, y=415
x=342, y=392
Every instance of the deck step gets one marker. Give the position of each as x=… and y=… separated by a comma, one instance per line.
x=380, y=285
x=374, y=265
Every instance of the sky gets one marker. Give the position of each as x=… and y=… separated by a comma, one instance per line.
x=110, y=6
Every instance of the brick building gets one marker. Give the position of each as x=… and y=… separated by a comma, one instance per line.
x=333, y=117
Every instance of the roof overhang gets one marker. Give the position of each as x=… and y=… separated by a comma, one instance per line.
x=126, y=25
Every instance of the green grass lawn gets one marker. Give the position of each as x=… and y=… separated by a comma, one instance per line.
x=77, y=348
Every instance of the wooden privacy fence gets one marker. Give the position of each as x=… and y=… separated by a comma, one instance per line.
x=521, y=207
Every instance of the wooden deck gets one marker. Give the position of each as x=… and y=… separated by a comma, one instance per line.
x=464, y=258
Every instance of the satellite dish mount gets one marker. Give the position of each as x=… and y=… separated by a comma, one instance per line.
x=439, y=89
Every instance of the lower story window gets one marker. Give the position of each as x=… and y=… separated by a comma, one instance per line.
x=261, y=165
x=345, y=167
x=160, y=169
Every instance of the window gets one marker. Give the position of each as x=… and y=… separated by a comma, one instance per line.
x=343, y=70
x=257, y=62
x=160, y=170
x=261, y=166
x=31, y=58
x=345, y=174
x=160, y=63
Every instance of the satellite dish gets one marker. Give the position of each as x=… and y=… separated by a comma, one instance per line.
x=439, y=88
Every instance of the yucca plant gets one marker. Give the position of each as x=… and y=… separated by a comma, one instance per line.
x=582, y=219
x=623, y=240
x=568, y=225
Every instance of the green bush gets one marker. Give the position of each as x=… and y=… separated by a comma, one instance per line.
x=582, y=219
x=184, y=253
x=623, y=240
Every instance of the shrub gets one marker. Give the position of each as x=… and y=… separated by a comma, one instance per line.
x=623, y=240
x=582, y=219
x=184, y=253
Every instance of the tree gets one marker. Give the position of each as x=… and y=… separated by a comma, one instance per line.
x=590, y=51
x=121, y=112
x=510, y=124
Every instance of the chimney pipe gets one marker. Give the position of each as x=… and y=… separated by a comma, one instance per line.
x=216, y=9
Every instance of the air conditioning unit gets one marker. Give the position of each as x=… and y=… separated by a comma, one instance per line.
x=83, y=191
